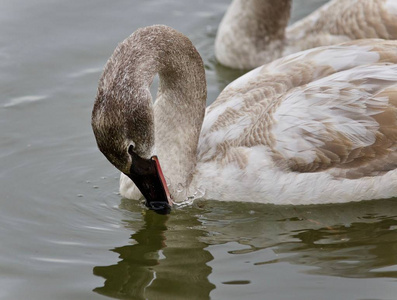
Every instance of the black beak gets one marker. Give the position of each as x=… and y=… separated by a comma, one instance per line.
x=148, y=177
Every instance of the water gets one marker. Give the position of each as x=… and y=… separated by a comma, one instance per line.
x=66, y=233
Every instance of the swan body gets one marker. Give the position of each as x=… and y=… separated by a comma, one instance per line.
x=318, y=126
x=255, y=32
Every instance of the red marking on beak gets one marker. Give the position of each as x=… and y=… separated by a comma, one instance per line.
x=162, y=179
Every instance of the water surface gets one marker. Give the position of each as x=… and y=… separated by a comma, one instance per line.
x=67, y=234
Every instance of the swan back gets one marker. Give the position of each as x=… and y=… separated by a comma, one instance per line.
x=339, y=21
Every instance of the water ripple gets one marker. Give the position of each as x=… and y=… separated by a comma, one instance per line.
x=24, y=100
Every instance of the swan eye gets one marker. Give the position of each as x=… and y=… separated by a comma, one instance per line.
x=131, y=149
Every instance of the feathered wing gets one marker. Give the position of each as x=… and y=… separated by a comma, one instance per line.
x=342, y=20
x=346, y=121
x=326, y=109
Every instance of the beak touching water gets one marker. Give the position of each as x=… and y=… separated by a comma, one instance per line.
x=149, y=179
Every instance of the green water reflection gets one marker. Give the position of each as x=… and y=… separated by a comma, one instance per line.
x=360, y=250
x=171, y=257
x=161, y=262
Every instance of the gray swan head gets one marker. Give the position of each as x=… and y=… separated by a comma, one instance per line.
x=124, y=116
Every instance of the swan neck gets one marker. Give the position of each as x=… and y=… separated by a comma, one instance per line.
x=180, y=104
x=252, y=32
x=263, y=19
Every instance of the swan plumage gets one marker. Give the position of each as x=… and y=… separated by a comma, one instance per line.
x=255, y=32
x=318, y=126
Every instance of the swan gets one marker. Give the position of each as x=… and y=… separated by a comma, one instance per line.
x=318, y=126
x=255, y=32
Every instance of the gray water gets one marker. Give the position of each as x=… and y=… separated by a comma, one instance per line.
x=66, y=233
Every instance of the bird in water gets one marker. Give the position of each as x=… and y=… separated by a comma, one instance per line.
x=318, y=126
x=255, y=32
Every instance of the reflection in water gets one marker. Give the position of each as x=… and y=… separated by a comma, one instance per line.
x=355, y=240
x=164, y=262
x=170, y=258
x=361, y=250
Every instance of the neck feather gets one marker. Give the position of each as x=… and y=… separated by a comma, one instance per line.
x=178, y=115
x=252, y=32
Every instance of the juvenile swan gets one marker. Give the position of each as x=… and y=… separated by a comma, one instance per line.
x=254, y=32
x=314, y=127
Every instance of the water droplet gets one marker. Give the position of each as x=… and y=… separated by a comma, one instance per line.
x=180, y=188
x=200, y=192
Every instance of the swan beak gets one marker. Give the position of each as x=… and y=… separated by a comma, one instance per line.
x=148, y=177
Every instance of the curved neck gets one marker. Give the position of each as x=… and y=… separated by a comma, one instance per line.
x=178, y=111
x=252, y=32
